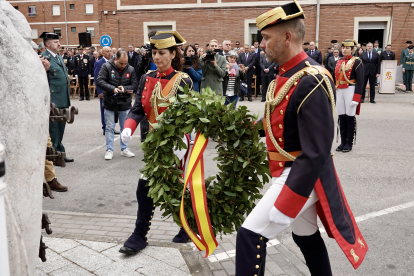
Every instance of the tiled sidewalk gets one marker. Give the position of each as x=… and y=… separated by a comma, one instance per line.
x=84, y=228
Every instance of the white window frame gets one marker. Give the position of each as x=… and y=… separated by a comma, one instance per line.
x=155, y=24
x=32, y=14
x=387, y=30
x=247, y=23
x=55, y=29
x=86, y=8
x=35, y=34
x=56, y=10
x=88, y=29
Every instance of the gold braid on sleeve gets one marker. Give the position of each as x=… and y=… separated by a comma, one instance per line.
x=272, y=102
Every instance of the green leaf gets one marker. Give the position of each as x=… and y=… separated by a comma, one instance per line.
x=246, y=163
x=229, y=193
x=238, y=188
x=236, y=144
x=164, y=104
x=204, y=120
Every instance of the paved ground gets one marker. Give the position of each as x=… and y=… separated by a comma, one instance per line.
x=101, y=206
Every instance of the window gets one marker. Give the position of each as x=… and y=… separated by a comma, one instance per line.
x=32, y=10
x=73, y=29
x=91, y=30
x=16, y=7
x=89, y=8
x=35, y=34
x=55, y=10
x=58, y=31
x=72, y=6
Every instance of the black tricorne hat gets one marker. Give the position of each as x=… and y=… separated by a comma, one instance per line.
x=410, y=47
x=282, y=13
x=46, y=36
x=334, y=41
x=409, y=42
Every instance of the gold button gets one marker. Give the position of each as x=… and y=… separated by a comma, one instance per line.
x=310, y=196
x=154, y=205
x=281, y=112
x=257, y=266
x=261, y=238
x=149, y=227
x=280, y=126
x=151, y=216
x=153, y=211
x=145, y=88
x=287, y=98
x=143, y=96
x=296, y=83
x=258, y=256
x=280, y=140
x=258, y=247
x=280, y=164
x=143, y=106
x=149, y=221
x=145, y=114
x=147, y=80
x=255, y=274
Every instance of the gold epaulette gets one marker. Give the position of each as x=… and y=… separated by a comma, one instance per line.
x=150, y=71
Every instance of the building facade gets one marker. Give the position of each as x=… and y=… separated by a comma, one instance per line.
x=128, y=21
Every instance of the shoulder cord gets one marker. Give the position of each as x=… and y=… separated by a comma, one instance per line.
x=157, y=97
x=348, y=67
x=272, y=102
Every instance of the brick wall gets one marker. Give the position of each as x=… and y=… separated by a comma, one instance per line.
x=202, y=25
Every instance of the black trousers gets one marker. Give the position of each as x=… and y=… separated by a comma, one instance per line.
x=144, y=127
x=266, y=80
x=258, y=81
x=372, y=80
x=83, y=86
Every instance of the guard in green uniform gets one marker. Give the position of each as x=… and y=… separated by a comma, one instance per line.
x=403, y=53
x=377, y=48
x=59, y=87
x=408, y=68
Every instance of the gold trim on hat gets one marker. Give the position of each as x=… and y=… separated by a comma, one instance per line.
x=349, y=43
x=277, y=13
x=164, y=43
x=174, y=34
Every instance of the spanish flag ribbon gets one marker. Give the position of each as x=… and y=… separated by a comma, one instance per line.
x=195, y=178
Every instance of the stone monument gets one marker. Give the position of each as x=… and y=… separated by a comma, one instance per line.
x=24, y=121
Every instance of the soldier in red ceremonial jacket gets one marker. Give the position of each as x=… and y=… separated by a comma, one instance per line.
x=349, y=75
x=299, y=126
x=154, y=88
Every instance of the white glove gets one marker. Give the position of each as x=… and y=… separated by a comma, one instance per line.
x=354, y=103
x=126, y=135
x=279, y=218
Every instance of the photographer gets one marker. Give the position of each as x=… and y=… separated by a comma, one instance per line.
x=118, y=80
x=192, y=66
x=214, y=68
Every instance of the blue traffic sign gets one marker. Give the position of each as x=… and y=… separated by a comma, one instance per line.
x=105, y=40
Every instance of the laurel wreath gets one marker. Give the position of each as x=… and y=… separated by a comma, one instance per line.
x=232, y=193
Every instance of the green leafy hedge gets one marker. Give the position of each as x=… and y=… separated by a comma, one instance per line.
x=241, y=158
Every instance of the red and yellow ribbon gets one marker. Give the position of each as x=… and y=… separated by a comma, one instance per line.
x=195, y=178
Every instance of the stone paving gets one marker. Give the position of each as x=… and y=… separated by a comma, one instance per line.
x=88, y=244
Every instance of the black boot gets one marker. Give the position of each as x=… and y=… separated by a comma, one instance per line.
x=181, y=237
x=316, y=256
x=250, y=253
x=138, y=240
x=350, y=133
x=342, y=131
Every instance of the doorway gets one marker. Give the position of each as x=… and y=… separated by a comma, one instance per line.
x=370, y=35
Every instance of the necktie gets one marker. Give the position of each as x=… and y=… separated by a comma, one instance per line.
x=311, y=52
x=369, y=55
x=246, y=56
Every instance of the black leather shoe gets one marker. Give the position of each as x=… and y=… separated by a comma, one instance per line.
x=362, y=100
x=127, y=251
x=68, y=160
x=250, y=100
x=241, y=100
x=88, y=99
x=80, y=99
x=263, y=100
x=372, y=101
x=104, y=132
x=181, y=237
x=116, y=132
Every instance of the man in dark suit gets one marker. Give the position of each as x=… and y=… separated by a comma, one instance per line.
x=387, y=54
x=331, y=64
x=92, y=62
x=257, y=69
x=371, y=61
x=248, y=60
x=316, y=55
x=268, y=73
x=81, y=68
x=132, y=55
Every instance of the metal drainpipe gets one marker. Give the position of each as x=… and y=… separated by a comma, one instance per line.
x=66, y=22
x=4, y=253
x=318, y=6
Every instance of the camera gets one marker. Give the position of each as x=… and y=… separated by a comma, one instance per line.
x=121, y=97
x=188, y=62
x=46, y=58
x=147, y=49
x=210, y=54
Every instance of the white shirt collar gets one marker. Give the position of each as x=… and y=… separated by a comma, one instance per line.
x=53, y=54
x=106, y=60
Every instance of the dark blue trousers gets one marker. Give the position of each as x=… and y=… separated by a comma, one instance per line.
x=102, y=113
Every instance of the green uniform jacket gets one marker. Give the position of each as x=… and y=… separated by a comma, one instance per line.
x=403, y=53
x=410, y=59
x=213, y=77
x=379, y=50
x=59, y=83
